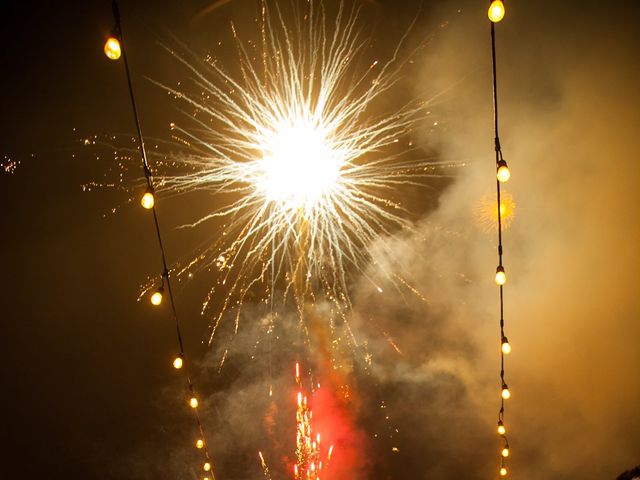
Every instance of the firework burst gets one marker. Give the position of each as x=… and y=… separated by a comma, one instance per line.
x=306, y=170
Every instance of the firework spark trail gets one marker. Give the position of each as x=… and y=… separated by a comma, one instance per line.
x=311, y=462
x=309, y=168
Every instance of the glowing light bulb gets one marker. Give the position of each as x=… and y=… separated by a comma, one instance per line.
x=501, y=428
x=148, y=200
x=501, y=276
x=505, y=391
x=112, y=48
x=199, y=443
x=503, y=472
x=206, y=466
x=496, y=11
x=156, y=298
x=193, y=402
x=503, y=174
x=506, y=346
x=177, y=363
x=505, y=452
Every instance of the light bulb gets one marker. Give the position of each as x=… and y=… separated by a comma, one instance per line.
x=501, y=277
x=156, y=298
x=112, y=48
x=503, y=472
x=503, y=174
x=505, y=452
x=501, y=428
x=193, y=402
x=177, y=363
x=199, y=443
x=207, y=467
x=148, y=200
x=496, y=11
x=506, y=346
x=505, y=391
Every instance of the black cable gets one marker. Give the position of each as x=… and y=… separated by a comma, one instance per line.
x=165, y=271
x=498, y=158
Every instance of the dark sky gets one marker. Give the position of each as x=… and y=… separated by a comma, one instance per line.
x=89, y=391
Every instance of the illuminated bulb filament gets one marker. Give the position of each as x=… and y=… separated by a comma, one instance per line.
x=199, y=443
x=501, y=276
x=207, y=467
x=193, y=402
x=505, y=452
x=501, y=428
x=503, y=472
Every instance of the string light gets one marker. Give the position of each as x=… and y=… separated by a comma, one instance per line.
x=177, y=363
x=506, y=346
x=156, y=297
x=496, y=11
x=114, y=48
x=501, y=428
x=503, y=174
x=148, y=200
x=505, y=393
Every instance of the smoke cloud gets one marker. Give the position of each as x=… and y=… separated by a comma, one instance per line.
x=423, y=380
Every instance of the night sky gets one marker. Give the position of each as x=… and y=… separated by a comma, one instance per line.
x=89, y=391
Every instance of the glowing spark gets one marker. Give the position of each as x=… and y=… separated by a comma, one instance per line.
x=309, y=464
x=486, y=211
x=265, y=467
x=304, y=165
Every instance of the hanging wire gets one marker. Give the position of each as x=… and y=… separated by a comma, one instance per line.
x=496, y=13
x=166, y=278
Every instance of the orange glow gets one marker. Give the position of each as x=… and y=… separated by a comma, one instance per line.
x=309, y=462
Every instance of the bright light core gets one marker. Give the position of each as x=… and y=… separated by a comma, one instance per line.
x=298, y=165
